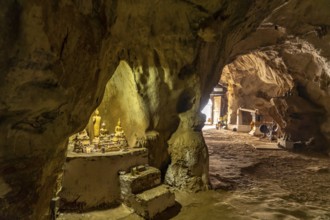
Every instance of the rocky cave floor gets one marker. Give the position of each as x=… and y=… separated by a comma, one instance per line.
x=248, y=184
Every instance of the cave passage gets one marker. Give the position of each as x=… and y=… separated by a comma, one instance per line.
x=265, y=183
x=256, y=153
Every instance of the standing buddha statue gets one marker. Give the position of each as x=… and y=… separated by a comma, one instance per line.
x=96, y=123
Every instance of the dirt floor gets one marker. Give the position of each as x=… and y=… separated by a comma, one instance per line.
x=248, y=184
x=268, y=184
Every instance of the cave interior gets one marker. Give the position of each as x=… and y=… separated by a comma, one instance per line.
x=105, y=103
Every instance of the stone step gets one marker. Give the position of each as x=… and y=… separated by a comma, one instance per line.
x=139, y=181
x=97, y=186
x=151, y=202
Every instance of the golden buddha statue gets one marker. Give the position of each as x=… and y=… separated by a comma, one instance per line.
x=119, y=132
x=119, y=136
x=96, y=123
x=103, y=130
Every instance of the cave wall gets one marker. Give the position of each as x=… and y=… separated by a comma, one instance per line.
x=57, y=57
x=307, y=115
x=293, y=40
x=172, y=81
x=290, y=82
x=50, y=71
x=252, y=83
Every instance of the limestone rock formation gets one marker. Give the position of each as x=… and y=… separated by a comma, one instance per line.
x=57, y=57
x=252, y=83
x=189, y=155
x=51, y=79
x=156, y=82
x=291, y=46
x=290, y=82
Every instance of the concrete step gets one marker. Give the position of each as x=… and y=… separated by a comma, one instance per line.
x=139, y=181
x=151, y=202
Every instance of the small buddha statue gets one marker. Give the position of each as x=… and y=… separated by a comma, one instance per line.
x=118, y=129
x=119, y=137
x=96, y=123
x=103, y=130
x=119, y=132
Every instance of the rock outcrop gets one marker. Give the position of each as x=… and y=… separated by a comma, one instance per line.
x=289, y=51
x=51, y=79
x=252, y=83
x=288, y=81
x=56, y=58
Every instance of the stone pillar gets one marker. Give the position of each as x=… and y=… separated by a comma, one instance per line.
x=216, y=108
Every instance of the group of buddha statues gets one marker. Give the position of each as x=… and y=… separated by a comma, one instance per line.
x=102, y=140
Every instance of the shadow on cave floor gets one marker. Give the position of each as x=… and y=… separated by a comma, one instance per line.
x=248, y=184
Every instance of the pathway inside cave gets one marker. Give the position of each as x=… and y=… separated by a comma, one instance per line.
x=248, y=184
x=267, y=184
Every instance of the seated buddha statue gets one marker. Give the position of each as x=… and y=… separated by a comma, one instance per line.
x=119, y=136
x=119, y=132
x=103, y=130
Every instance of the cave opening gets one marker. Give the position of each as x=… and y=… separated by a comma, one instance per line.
x=207, y=111
x=257, y=148
x=216, y=109
x=244, y=113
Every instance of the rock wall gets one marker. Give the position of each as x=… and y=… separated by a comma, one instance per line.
x=252, y=83
x=293, y=42
x=167, y=81
x=57, y=56
x=289, y=81
x=51, y=79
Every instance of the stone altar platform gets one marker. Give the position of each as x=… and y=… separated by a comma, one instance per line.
x=91, y=181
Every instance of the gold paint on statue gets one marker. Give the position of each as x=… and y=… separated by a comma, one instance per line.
x=96, y=123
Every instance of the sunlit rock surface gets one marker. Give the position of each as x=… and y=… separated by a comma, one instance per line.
x=290, y=82
x=252, y=83
x=57, y=57
x=288, y=52
x=170, y=72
